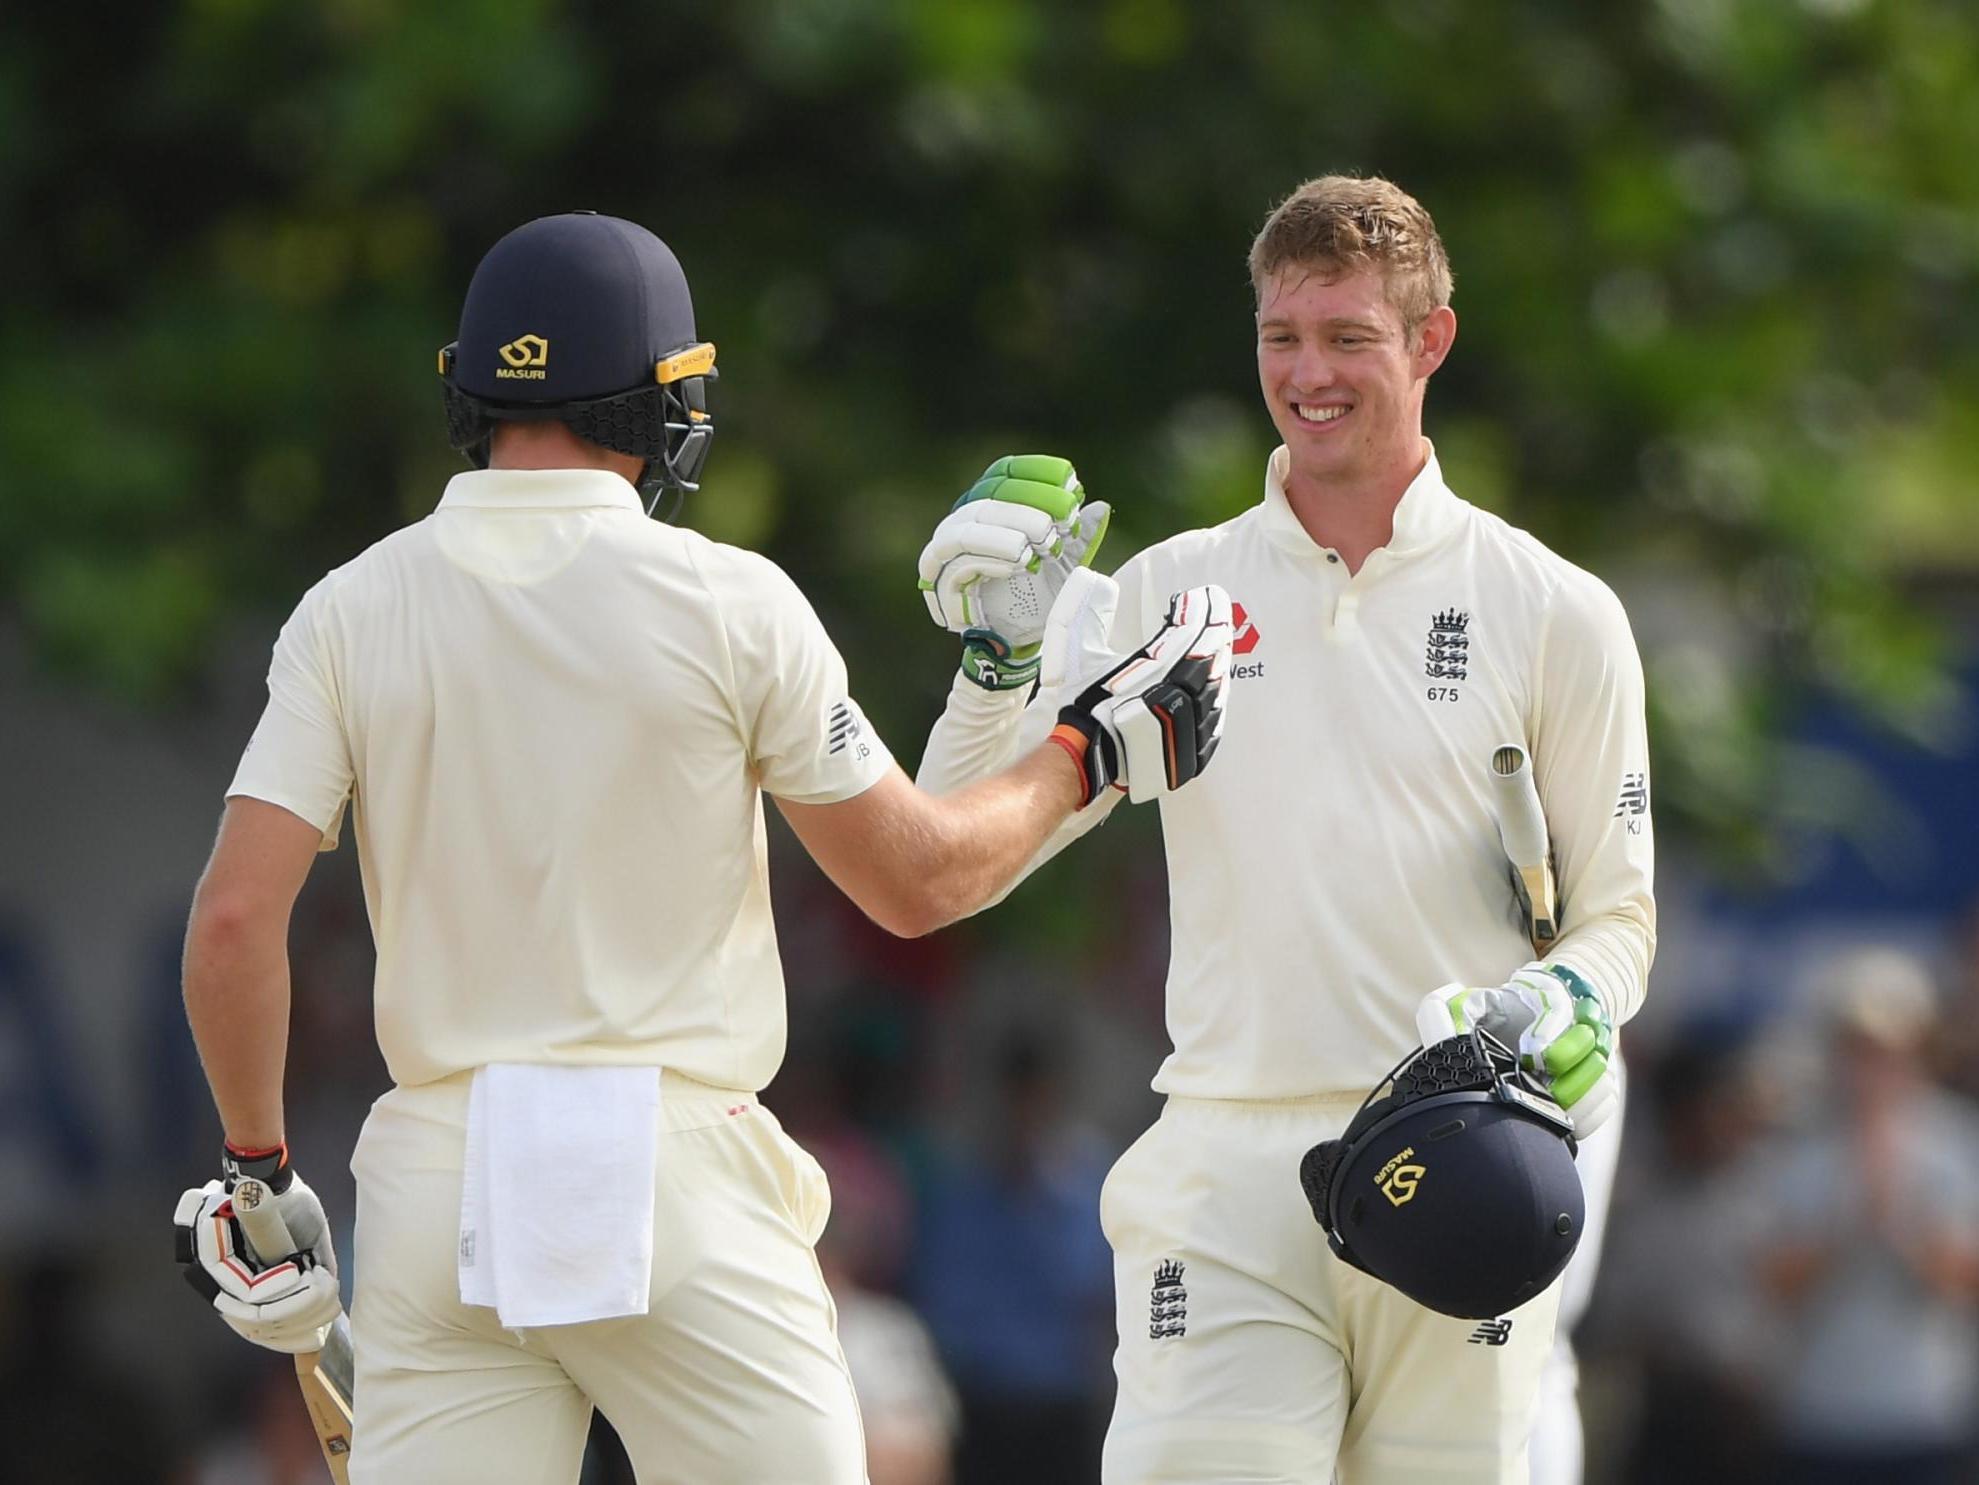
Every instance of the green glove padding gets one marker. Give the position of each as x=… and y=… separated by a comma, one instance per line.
x=998, y=559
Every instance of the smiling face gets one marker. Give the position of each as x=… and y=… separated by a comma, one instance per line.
x=1343, y=376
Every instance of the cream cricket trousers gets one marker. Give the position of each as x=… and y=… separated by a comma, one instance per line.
x=1249, y=1353
x=734, y=1377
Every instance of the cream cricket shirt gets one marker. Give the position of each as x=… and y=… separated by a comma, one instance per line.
x=552, y=718
x=1340, y=858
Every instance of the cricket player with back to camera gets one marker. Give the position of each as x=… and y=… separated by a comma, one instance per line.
x=1338, y=887
x=552, y=722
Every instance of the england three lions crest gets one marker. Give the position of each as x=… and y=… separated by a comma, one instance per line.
x=1168, y=1302
x=1447, y=657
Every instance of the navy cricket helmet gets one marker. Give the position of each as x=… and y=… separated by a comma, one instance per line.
x=1454, y=1183
x=585, y=320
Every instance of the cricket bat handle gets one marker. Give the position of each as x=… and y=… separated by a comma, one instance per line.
x=1522, y=830
x=326, y=1376
x=261, y=1220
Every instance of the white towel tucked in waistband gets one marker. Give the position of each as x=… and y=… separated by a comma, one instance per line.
x=556, y=1202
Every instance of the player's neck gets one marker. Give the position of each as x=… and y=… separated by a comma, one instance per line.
x=1354, y=514
x=550, y=445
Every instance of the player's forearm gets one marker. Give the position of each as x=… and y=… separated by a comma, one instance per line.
x=980, y=839
x=237, y=1003
x=980, y=734
x=914, y=861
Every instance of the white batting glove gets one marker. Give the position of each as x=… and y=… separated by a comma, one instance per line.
x=1150, y=721
x=1076, y=642
x=997, y=562
x=984, y=539
x=285, y=1302
x=1555, y=1021
x=1015, y=603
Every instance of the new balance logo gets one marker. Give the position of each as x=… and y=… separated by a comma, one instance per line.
x=1635, y=795
x=844, y=728
x=1168, y=1303
x=1492, y=1333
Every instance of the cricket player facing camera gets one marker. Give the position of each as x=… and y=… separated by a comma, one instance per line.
x=552, y=721
x=1339, y=889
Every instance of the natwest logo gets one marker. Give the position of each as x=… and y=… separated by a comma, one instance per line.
x=1247, y=635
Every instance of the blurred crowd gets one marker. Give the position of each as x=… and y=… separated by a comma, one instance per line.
x=1791, y=1284
x=1790, y=1289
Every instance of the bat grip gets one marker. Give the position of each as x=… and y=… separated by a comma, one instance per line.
x=1522, y=830
x=261, y=1220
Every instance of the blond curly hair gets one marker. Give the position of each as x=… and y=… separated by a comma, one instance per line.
x=1338, y=224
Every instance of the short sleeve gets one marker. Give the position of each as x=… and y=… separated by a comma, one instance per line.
x=807, y=738
x=299, y=756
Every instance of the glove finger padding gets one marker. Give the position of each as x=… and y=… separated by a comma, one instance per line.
x=1510, y=1013
x=1554, y=1019
x=1152, y=722
x=1002, y=648
x=284, y=1305
x=1046, y=482
x=1577, y=1064
x=1013, y=598
x=1597, y=1103
x=997, y=561
x=985, y=540
x=1087, y=531
x=1017, y=604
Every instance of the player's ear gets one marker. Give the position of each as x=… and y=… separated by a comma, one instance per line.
x=1433, y=338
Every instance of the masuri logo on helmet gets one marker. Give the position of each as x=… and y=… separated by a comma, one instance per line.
x=526, y=356
x=1398, y=1181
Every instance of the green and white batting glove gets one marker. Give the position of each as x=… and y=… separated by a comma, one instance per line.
x=1554, y=1019
x=999, y=558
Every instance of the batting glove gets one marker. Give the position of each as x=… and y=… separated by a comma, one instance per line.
x=284, y=1301
x=997, y=562
x=1556, y=1021
x=1151, y=720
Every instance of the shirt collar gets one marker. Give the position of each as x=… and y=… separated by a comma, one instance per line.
x=538, y=489
x=1425, y=514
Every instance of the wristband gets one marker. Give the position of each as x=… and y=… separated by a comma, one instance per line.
x=270, y=1166
x=989, y=661
x=1075, y=744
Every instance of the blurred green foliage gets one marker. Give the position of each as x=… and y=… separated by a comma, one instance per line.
x=1715, y=265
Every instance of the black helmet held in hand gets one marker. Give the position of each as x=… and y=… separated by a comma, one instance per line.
x=1454, y=1183
x=585, y=320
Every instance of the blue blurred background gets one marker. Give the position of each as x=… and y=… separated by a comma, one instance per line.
x=1716, y=266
